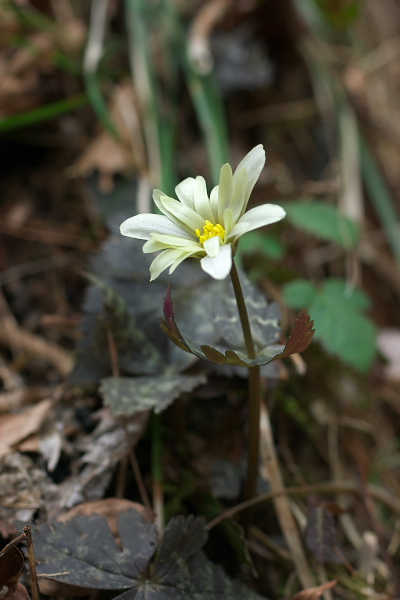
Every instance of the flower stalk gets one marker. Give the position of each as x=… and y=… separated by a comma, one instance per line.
x=254, y=390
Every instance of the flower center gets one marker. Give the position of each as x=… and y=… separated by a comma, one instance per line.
x=209, y=231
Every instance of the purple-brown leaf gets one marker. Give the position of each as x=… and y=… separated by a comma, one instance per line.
x=301, y=335
x=169, y=326
x=11, y=565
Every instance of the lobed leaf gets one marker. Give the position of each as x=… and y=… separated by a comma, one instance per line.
x=301, y=335
x=83, y=552
x=339, y=320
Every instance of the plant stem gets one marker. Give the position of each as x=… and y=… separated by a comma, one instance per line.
x=254, y=433
x=254, y=391
x=244, y=317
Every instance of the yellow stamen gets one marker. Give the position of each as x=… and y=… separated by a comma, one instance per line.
x=209, y=231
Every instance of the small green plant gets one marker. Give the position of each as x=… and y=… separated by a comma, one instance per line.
x=338, y=313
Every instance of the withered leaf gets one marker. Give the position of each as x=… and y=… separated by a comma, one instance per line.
x=314, y=593
x=11, y=565
x=83, y=552
x=130, y=395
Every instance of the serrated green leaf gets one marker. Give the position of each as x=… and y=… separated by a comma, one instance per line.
x=343, y=330
x=128, y=395
x=337, y=311
x=324, y=221
x=338, y=289
x=299, y=293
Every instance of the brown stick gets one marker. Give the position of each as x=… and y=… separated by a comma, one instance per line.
x=32, y=563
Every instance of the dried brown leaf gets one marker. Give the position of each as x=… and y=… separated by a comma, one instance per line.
x=15, y=428
x=315, y=592
x=17, y=592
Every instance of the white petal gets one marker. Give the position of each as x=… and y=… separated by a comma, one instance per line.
x=212, y=246
x=255, y=218
x=174, y=241
x=152, y=245
x=214, y=201
x=254, y=163
x=178, y=261
x=225, y=190
x=163, y=261
x=218, y=267
x=201, y=201
x=157, y=195
x=142, y=226
x=227, y=222
x=185, y=191
x=239, y=200
x=185, y=215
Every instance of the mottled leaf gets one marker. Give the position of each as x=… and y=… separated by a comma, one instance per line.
x=124, y=302
x=320, y=534
x=219, y=309
x=83, y=552
x=128, y=395
x=86, y=553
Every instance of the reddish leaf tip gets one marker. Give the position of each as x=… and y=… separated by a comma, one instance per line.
x=301, y=335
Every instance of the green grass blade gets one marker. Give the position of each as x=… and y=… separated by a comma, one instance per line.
x=93, y=54
x=206, y=99
x=43, y=113
x=380, y=197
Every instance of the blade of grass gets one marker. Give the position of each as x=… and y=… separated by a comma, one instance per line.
x=43, y=113
x=380, y=197
x=31, y=16
x=92, y=57
x=206, y=99
x=145, y=83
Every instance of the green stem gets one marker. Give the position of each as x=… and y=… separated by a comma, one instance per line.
x=254, y=390
x=244, y=317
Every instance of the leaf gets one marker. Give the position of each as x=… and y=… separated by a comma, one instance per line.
x=11, y=565
x=299, y=293
x=320, y=534
x=341, y=14
x=340, y=324
x=218, y=308
x=266, y=244
x=301, y=335
x=314, y=593
x=86, y=554
x=127, y=395
x=83, y=552
x=324, y=221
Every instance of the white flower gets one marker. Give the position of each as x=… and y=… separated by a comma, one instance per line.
x=202, y=227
